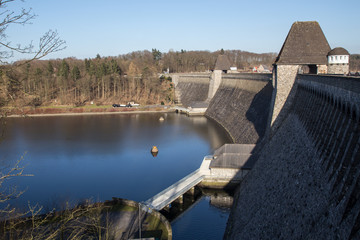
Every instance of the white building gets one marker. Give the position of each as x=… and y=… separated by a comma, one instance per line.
x=338, y=61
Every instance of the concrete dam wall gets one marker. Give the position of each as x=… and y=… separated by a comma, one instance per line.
x=306, y=181
x=191, y=88
x=241, y=105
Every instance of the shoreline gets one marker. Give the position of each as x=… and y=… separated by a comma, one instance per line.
x=167, y=110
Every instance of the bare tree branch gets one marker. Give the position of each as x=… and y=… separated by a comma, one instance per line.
x=50, y=42
x=15, y=171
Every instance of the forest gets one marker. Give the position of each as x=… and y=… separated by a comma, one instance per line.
x=136, y=76
x=355, y=63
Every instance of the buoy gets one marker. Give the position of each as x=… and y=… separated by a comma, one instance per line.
x=161, y=119
x=154, y=149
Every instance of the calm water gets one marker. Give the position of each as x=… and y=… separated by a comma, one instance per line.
x=74, y=158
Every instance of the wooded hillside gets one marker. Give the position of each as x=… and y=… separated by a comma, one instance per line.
x=104, y=80
x=355, y=63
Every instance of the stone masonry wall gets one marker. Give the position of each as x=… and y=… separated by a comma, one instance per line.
x=284, y=92
x=242, y=106
x=215, y=81
x=306, y=182
x=338, y=69
x=192, y=88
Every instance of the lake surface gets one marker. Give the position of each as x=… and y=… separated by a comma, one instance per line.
x=74, y=158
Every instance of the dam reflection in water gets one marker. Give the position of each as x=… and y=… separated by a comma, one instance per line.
x=200, y=216
x=104, y=156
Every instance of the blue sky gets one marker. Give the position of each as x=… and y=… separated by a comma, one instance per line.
x=113, y=27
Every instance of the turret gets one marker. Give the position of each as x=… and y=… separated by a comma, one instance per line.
x=338, y=61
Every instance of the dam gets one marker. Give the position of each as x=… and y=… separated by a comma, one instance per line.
x=301, y=177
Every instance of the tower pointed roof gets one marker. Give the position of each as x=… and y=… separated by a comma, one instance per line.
x=222, y=63
x=304, y=44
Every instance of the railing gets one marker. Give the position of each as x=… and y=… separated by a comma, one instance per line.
x=168, y=195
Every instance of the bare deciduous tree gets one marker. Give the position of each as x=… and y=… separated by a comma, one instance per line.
x=50, y=42
x=5, y=173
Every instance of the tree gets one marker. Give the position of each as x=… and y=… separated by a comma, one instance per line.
x=75, y=73
x=50, y=42
x=64, y=69
x=6, y=173
x=115, y=68
x=133, y=70
x=87, y=65
x=156, y=54
x=50, y=69
x=355, y=62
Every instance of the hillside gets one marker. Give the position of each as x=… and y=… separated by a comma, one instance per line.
x=106, y=80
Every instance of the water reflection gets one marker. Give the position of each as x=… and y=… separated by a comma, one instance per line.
x=217, y=198
x=201, y=216
x=154, y=154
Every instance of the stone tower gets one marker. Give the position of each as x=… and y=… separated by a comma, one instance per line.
x=338, y=61
x=305, y=49
x=222, y=66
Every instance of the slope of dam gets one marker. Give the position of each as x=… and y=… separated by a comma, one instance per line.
x=192, y=88
x=306, y=182
x=241, y=105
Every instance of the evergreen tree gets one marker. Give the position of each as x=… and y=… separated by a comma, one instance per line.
x=64, y=69
x=156, y=54
x=75, y=73
x=114, y=67
x=87, y=65
x=50, y=69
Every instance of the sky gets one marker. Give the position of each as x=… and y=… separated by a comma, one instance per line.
x=113, y=27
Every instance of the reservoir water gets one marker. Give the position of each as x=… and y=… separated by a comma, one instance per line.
x=74, y=158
